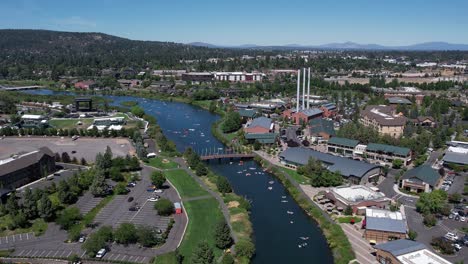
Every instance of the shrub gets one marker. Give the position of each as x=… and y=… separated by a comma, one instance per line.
x=245, y=248
x=443, y=245
x=126, y=234
x=223, y=185
x=430, y=220
x=164, y=207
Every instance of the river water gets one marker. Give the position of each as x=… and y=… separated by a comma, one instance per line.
x=279, y=224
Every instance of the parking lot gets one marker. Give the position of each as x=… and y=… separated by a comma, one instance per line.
x=84, y=147
x=87, y=202
x=6, y=240
x=117, y=211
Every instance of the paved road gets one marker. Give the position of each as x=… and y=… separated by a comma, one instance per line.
x=361, y=247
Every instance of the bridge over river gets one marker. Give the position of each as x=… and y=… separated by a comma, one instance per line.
x=223, y=153
x=18, y=88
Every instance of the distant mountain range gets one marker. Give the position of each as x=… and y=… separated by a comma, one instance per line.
x=438, y=46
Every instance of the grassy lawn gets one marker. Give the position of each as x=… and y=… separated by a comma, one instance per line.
x=230, y=136
x=296, y=176
x=71, y=123
x=203, y=215
x=39, y=226
x=168, y=258
x=203, y=103
x=158, y=163
x=347, y=219
x=185, y=184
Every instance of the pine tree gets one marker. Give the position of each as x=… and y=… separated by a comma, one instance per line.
x=107, y=158
x=45, y=207
x=202, y=254
x=65, y=157
x=222, y=235
x=98, y=187
x=29, y=204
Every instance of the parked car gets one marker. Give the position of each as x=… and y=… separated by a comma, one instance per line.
x=82, y=239
x=153, y=199
x=451, y=236
x=462, y=219
x=457, y=246
x=130, y=199
x=451, y=216
x=132, y=208
x=101, y=253
x=158, y=191
x=131, y=184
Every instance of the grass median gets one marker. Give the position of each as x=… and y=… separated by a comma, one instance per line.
x=162, y=163
x=185, y=184
x=202, y=214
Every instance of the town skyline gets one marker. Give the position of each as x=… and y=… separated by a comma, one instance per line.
x=257, y=22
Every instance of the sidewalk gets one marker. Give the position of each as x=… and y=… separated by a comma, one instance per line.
x=395, y=188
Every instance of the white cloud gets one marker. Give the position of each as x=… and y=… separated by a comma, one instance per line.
x=74, y=21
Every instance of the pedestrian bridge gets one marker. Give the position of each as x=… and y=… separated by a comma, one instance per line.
x=227, y=156
x=5, y=88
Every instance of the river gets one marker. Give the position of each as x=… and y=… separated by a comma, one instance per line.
x=278, y=222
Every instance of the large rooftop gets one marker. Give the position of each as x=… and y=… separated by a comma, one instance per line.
x=357, y=193
x=384, y=115
x=351, y=143
x=423, y=173
x=384, y=220
x=347, y=167
x=375, y=147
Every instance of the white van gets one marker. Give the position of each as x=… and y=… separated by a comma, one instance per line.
x=101, y=253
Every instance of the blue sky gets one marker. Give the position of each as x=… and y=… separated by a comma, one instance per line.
x=262, y=22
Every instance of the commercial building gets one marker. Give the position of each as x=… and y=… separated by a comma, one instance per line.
x=384, y=119
x=403, y=251
x=198, y=76
x=302, y=116
x=358, y=197
x=386, y=154
x=239, y=76
x=248, y=114
x=259, y=125
x=328, y=109
x=321, y=129
x=34, y=121
x=356, y=172
x=25, y=168
x=399, y=100
x=420, y=179
x=383, y=225
x=456, y=155
x=343, y=146
x=86, y=85
x=262, y=138
x=424, y=121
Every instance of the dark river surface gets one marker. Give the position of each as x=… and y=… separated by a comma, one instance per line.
x=278, y=222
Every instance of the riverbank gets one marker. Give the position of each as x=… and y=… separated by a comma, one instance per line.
x=336, y=238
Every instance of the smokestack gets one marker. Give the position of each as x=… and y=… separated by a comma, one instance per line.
x=298, y=89
x=308, y=89
x=303, y=90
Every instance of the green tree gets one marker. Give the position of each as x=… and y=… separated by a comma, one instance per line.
x=65, y=195
x=107, y=158
x=222, y=235
x=429, y=220
x=412, y=235
x=138, y=111
x=348, y=210
x=147, y=236
x=431, y=203
x=29, y=204
x=65, y=157
x=126, y=233
x=202, y=254
x=200, y=169
x=257, y=145
x=232, y=122
x=397, y=163
x=213, y=106
x=11, y=205
x=227, y=259
x=83, y=162
x=245, y=248
x=223, y=185
x=68, y=217
x=164, y=207
x=115, y=174
x=158, y=179
x=98, y=187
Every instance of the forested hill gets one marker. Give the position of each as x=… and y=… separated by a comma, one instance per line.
x=33, y=50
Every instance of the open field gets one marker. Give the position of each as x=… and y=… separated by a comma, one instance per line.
x=159, y=162
x=296, y=176
x=83, y=147
x=202, y=214
x=185, y=185
x=71, y=123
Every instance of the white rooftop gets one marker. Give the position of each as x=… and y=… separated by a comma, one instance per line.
x=379, y=213
x=32, y=117
x=422, y=256
x=458, y=150
x=357, y=193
